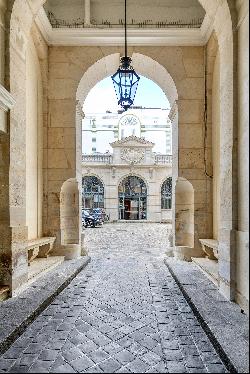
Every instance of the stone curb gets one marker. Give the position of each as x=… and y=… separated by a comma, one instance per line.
x=18, y=313
x=218, y=340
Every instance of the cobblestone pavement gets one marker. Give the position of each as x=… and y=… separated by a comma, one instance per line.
x=123, y=314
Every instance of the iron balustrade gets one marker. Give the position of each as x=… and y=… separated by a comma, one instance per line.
x=163, y=159
x=100, y=159
x=108, y=159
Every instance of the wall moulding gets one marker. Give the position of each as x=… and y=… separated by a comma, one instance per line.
x=7, y=101
x=243, y=10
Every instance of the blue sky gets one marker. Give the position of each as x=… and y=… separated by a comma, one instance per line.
x=102, y=97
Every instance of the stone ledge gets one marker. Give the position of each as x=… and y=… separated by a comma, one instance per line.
x=18, y=313
x=221, y=319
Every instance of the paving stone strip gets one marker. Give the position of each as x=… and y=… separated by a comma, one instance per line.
x=17, y=313
x=222, y=320
x=124, y=313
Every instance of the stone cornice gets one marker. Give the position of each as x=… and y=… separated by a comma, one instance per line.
x=114, y=37
x=6, y=100
x=207, y=29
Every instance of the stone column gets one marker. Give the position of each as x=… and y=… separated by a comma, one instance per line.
x=3, y=8
x=193, y=160
x=87, y=21
x=173, y=116
x=80, y=115
x=6, y=103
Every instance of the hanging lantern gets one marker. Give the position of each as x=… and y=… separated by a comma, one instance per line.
x=125, y=80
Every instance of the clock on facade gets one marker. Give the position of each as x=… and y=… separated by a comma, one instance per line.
x=129, y=125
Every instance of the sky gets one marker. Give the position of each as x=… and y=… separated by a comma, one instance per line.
x=102, y=97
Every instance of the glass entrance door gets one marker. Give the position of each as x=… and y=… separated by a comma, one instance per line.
x=132, y=199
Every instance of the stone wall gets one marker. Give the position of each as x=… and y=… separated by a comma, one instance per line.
x=185, y=65
x=242, y=288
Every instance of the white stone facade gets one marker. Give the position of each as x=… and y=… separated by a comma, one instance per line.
x=131, y=156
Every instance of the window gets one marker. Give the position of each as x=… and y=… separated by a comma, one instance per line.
x=93, y=149
x=92, y=193
x=166, y=194
x=93, y=140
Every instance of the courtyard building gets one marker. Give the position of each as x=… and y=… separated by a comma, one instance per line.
x=181, y=170
x=100, y=129
x=129, y=183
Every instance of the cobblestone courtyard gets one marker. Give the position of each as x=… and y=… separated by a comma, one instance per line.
x=123, y=314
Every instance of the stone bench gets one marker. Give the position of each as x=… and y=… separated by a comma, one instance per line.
x=211, y=248
x=4, y=293
x=40, y=248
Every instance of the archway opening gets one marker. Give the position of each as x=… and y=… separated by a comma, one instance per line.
x=114, y=141
x=132, y=194
x=106, y=122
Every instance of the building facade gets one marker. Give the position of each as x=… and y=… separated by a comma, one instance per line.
x=132, y=183
x=99, y=130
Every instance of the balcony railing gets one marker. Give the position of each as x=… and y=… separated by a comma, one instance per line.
x=108, y=159
x=98, y=159
x=163, y=159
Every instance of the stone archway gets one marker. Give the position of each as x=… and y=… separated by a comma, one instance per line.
x=21, y=16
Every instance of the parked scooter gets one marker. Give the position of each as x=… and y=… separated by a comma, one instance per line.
x=88, y=220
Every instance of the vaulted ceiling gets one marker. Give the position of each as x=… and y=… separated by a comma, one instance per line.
x=141, y=13
x=150, y=22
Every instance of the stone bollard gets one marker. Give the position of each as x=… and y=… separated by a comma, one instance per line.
x=184, y=253
x=71, y=251
x=169, y=251
x=84, y=251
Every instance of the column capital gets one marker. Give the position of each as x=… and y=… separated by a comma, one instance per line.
x=3, y=9
x=79, y=110
x=173, y=111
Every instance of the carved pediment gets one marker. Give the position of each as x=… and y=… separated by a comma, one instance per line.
x=133, y=141
x=132, y=155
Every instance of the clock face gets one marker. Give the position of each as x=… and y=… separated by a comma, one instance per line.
x=130, y=120
x=129, y=125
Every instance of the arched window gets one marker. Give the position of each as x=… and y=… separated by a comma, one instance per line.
x=166, y=194
x=92, y=193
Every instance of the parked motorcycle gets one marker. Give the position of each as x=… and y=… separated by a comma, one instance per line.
x=88, y=220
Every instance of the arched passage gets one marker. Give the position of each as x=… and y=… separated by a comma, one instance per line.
x=22, y=13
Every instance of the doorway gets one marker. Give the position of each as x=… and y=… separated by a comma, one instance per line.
x=132, y=199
